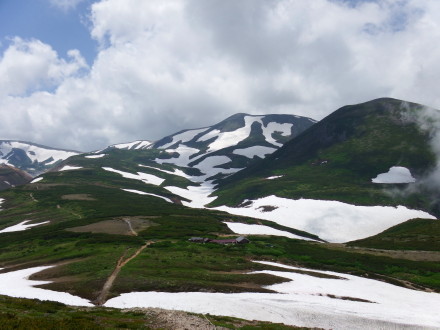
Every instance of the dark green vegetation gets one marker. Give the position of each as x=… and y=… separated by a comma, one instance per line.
x=336, y=159
x=16, y=313
x=415, y=234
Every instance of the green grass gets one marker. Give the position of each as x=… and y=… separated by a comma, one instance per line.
x=415, y=234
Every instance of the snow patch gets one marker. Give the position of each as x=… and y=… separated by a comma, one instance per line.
x=331, y=220
x=308, y=301
x=247, y=229
x=184, y=156
x=144, y=177
x=69, y=168
x=139, y=144
x=274, y=177
x=251, y=152
x=396, y=174
x=22, y=226
x=37, y=179
x=95, y=156
x=17, y=284
x=272, y=127
x=149, y=194
x=198, y=195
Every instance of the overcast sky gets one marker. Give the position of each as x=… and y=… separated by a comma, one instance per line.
x=83, y=74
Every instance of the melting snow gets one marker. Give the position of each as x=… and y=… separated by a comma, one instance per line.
x=396, y=174
x=246, y=229
x=69, y=168
x=144, y=177
x=139, y=144
x=331, y=220
x=17, y=284
x=149, y=194
x=306, y=301
x=37, y=179
x=21, y=226
x=251, y=152
x=183, y=159
x=96, y=156
x=272, y=127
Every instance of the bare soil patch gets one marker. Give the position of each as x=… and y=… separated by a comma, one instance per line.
x=121, y=226
x=78, y=197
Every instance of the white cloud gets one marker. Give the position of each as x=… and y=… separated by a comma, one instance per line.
x=30, y=65
x=168, y=65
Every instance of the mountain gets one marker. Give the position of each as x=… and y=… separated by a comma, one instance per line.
x=230, y=145
x=11, y=177
x=30, y=157
x=113, y=228
x=336, y=161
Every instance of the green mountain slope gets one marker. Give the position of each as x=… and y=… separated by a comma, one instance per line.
x=415, y=234
x=337, y=158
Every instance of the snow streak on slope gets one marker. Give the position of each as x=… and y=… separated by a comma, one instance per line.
x=37, y=179
x=21, y=226
x=95, y=156
x=135, y=145
x=144, y=177
x=17, y=284
x=149, y=194
x=183, y=137
x=329, y=300
x=246, y=229
x=69, y=168
x=330, y=220
x=396, y=174
x=175, y=172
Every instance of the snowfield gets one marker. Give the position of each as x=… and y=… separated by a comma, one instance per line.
x=144, y=177
x=396, y=174
x=308, y=301
x=198, y=195
x=149, y=194
x=176, y=171
x=37, y=179
x=331, y=301
x=251, y=152
x=139, y=144
x=247, y=229
x=22, y=226
x=69, y=168
x=17, y=284
x=183, y=137
x=331, y=220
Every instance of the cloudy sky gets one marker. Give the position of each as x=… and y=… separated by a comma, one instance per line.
x=83, y=74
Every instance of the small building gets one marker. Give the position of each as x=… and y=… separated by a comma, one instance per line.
x=242, y=240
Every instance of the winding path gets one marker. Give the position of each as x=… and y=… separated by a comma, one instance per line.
x=102, y=297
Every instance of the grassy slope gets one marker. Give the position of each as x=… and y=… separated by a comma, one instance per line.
x=357, y=143
x=415, y=234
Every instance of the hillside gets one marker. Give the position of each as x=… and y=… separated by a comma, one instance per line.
x=415, y=234
x=11, y=177
x=30, y=157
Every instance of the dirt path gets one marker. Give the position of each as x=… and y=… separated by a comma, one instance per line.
x=127, y=221
x=33, y=198
x=102, y=297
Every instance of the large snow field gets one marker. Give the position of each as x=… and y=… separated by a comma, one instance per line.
x=37, y=179
x=396, y=174
x=184, y=156
x=307, y=300
x=144, y=177
x=69, y=168
x=17, y=284
x=247, y=229
x=272, y=127
x=332, y=221
x=22, y=226
x=149, y=194
x=251, y=152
